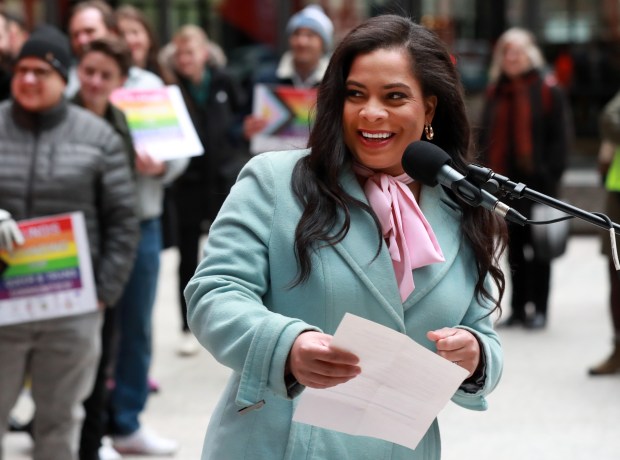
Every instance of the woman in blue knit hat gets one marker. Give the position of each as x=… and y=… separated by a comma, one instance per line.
x=310, y=38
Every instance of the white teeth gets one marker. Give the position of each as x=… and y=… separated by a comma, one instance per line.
x=376, y=136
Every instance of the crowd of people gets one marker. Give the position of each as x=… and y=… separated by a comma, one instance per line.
x=296, y=239
x=136, y=206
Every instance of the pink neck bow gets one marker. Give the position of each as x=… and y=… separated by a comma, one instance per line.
x=409, y=236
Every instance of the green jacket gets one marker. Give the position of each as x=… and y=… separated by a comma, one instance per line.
x=243, y=310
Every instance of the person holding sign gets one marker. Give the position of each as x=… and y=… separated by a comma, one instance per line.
x=307, y=236
x=58, y=158
x=103, y=67
x=310, y=36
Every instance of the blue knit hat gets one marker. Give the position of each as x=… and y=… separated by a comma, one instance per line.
x=314, y=18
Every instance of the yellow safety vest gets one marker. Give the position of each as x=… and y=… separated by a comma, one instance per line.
x=612, y=181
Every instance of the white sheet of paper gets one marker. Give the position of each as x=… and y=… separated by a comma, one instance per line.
x=396, y=397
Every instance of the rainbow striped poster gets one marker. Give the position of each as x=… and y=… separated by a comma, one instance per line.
x=288, y=112
x=159, y=121
x=50, y=275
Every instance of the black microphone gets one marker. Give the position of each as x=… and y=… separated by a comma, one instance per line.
x=429, y=164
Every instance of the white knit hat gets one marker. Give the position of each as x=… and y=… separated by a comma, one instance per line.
x=314, y=18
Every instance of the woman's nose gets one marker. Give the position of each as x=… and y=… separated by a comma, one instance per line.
x=373, y=111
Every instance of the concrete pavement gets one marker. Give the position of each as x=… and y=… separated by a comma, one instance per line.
x=545, y=408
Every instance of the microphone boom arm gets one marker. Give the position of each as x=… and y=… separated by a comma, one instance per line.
x=489, y=181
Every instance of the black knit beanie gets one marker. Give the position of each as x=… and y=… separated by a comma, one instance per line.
x=50, y=45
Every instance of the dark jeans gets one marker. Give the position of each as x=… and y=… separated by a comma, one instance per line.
x=169, y=230
x=530, y=277
x=188, y=260
x=135, y=310
x=95, y=421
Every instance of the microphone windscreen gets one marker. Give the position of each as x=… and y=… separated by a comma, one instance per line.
x=422, y=161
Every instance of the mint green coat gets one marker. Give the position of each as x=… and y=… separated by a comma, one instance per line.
x=241, y=308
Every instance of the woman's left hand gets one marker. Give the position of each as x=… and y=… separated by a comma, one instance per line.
x=457, y=345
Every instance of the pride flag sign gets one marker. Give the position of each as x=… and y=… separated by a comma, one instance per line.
x=50, y=275
x=159, y=121
x=288, y=112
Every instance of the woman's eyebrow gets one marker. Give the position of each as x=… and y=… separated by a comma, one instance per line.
x=354, y=83
x=396, y=85
x=388, y=86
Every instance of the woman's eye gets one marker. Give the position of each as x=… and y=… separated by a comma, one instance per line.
x=397, y=96
x=353, y=93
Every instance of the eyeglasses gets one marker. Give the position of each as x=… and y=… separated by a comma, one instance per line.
x=38, y=72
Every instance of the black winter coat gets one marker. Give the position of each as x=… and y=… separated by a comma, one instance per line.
x=200, y=191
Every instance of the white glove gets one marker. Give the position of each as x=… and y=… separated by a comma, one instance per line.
x=9, y=231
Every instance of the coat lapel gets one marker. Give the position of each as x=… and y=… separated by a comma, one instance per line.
x=444, y=219
x=359, y=248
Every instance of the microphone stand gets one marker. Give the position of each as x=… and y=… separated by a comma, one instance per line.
x=494, y=183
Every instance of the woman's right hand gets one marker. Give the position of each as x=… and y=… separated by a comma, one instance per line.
x=315, y=364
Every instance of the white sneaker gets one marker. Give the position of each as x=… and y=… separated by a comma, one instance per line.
x=107, y=452
x=144, y=442
x=188, y=346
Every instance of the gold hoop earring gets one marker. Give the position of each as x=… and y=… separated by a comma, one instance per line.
x=428, y=132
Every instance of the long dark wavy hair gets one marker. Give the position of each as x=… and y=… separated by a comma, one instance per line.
x=316, y=178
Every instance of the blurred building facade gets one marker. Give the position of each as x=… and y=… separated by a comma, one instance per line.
x=580, y=38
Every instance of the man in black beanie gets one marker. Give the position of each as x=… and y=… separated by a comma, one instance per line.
x=50, y=45
x=57, y=158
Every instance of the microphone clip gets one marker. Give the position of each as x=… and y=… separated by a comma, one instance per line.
x=474, y=195
x=494, y=183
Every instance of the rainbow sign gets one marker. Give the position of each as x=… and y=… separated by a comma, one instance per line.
x=150, y=115
x=159, y=121
x=288, y=112
x=50, y=275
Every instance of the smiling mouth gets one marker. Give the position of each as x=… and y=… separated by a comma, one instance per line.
x=375, y=137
